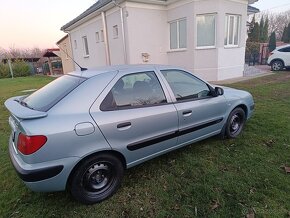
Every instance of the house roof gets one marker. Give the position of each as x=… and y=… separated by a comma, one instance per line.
x=51, y=52
x=62, y=39
x=98, y=5
x=102, y=3
x=252, y=10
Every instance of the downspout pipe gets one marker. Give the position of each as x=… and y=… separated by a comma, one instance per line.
x=123, y=32
x=106, y=41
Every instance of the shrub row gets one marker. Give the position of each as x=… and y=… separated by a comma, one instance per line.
x=20, y=69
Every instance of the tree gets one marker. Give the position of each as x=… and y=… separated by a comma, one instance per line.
x=254, y=35
x=277, y=22
x=261, y=29
x=285, y=35
x=288, y=34
x=265, y=34
x=272, y=42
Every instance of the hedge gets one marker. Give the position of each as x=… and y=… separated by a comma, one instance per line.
x=20, y=69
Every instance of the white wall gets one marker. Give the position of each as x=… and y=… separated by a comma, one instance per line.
x=97, y=50
x=231, y=60
x=147, y=33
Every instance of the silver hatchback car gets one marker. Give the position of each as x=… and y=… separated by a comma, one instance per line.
x=82, y=130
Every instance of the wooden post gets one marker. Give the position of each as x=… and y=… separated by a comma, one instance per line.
x=10, y=67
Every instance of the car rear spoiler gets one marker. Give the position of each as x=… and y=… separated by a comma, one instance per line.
x=22, y=112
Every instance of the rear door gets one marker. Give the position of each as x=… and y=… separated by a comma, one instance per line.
x=200, y=113
x=286, y=55
x=136, y=116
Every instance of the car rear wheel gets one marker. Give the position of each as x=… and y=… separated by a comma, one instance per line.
x=277, y=65
x=96, y=179
x=235, y=123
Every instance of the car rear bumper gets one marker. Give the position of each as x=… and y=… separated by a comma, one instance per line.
x=42, y=177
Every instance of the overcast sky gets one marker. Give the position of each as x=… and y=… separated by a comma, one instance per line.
x=37, y=23
x=276, y=5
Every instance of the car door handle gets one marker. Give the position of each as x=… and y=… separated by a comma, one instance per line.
x=124, y=125
x=187, y=113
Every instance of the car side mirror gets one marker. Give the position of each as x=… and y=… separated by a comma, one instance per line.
x=218, y=91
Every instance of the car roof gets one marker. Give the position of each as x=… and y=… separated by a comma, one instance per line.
x=105, y=69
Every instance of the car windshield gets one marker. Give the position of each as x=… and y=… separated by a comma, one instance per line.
x=46, y=97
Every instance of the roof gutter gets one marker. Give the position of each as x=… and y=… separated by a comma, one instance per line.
x=123, y=32
x=106, y=41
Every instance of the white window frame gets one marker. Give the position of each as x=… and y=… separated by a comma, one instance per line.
x=178, y=41
x=97, y=34
x=227, y=30
x=215, y=32
x=86, y=46
x=115, y=32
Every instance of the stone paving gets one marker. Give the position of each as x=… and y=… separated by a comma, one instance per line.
x=249, y=73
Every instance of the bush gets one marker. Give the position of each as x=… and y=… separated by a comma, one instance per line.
x=4, y=71
x=252, y=48
x=19, y=67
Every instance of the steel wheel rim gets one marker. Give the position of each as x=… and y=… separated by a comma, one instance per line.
x=235, y=124
x=98, y=177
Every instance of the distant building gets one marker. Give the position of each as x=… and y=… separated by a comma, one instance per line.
x=66, y=54
x=52, y=65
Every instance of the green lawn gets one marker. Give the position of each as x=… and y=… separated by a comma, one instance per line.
x=213, y=178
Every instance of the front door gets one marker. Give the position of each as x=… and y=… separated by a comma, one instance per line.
x=134, y=116
x=200, y=113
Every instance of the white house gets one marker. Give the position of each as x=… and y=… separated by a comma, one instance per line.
x=207, y=37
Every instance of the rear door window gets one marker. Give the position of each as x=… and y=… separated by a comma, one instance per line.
x=46, y=97
x=134, y=90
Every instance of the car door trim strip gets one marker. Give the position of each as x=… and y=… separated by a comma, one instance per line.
x=164, y=137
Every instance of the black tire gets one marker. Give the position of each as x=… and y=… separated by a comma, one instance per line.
x=277, y=65
x=235, y=123
x=96, y=179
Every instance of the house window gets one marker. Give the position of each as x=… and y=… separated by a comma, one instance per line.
x=97, y=37
x=102, y=35
x=86, y=46
x=75, y=44
x=178, y=34
x=115, y=32
x=206, y=31
x=232, y=30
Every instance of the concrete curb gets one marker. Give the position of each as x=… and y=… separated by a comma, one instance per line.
x=240, y=79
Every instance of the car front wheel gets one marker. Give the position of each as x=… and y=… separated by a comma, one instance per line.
x=235, y=123
x=277, y=65
x=96, y=179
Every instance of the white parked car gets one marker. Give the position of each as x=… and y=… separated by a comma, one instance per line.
x=280, y=58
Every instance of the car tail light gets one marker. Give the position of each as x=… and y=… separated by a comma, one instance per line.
x=30, y=144
x=271, y=53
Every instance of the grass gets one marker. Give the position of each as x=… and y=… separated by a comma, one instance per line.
x=212, y=178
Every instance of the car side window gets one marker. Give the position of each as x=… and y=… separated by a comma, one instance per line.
x=134, y=90
x=287, y=49
x=185, y=86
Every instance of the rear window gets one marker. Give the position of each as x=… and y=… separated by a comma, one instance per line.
x=46, y=97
